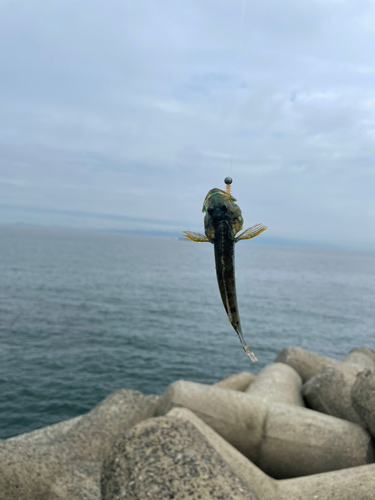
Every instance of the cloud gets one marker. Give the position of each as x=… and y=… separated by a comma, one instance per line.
x=137, y=109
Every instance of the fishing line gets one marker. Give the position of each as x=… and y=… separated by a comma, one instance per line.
x=239, y=50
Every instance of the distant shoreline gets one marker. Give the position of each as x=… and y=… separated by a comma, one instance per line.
x=265, y=239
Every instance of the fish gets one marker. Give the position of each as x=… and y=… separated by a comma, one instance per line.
x=222, y=222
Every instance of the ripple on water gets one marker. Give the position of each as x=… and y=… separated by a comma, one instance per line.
x=85, y=314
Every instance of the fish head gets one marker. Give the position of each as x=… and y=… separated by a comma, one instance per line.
x=220, y=206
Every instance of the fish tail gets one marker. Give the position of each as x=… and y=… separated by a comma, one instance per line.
x=250, y=354
x=224, y=260
x=248, y=351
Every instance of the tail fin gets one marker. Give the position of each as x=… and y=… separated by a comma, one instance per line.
x=248, y=351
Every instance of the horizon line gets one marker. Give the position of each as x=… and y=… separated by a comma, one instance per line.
x=266, y=239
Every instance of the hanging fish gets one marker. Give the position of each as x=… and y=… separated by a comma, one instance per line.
x=222, y=221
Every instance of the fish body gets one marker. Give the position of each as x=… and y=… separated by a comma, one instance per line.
x=222, y=221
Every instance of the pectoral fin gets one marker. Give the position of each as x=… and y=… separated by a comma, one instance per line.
x=251, y=232
x=196, y=237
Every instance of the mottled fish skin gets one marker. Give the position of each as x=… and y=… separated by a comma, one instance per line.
x=224, y=262
x=217, y=206
x=222, y=222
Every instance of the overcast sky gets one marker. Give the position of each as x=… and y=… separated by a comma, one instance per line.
x=123, y=114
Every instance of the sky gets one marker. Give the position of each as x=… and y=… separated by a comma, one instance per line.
x=124, y=114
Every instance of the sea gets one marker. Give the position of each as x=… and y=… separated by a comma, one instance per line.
x=83, y=314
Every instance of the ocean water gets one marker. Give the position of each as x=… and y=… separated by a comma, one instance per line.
x=84, y=314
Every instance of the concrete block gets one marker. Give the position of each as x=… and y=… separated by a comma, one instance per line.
x=233, y=415
x=363, y=399
x=169, y=457
x=298, y=442
x=329, y=391
x=93, y=436
x=278, y=383
x=48, y=435
x=238, y=382
x=357, y=483
x=361, y=356
x=306, y=363
x=260, y=483
x=283, y=440
x=63, y=461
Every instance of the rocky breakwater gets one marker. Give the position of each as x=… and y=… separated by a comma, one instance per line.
x=63, y=461
x=246, y=437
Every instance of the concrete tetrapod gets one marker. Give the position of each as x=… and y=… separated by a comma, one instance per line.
x=356, y=483
x=363, y=398
x=283, y=440
x=361, y=356
x=62, y=462
x=163, y=458
x=260, y=483
x=306, y=363
x=168, y=457
x=237, y=382
x=277, y=383
x=46, y=435
x=329, y=390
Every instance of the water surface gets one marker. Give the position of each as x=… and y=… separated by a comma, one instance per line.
x=84, y=314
